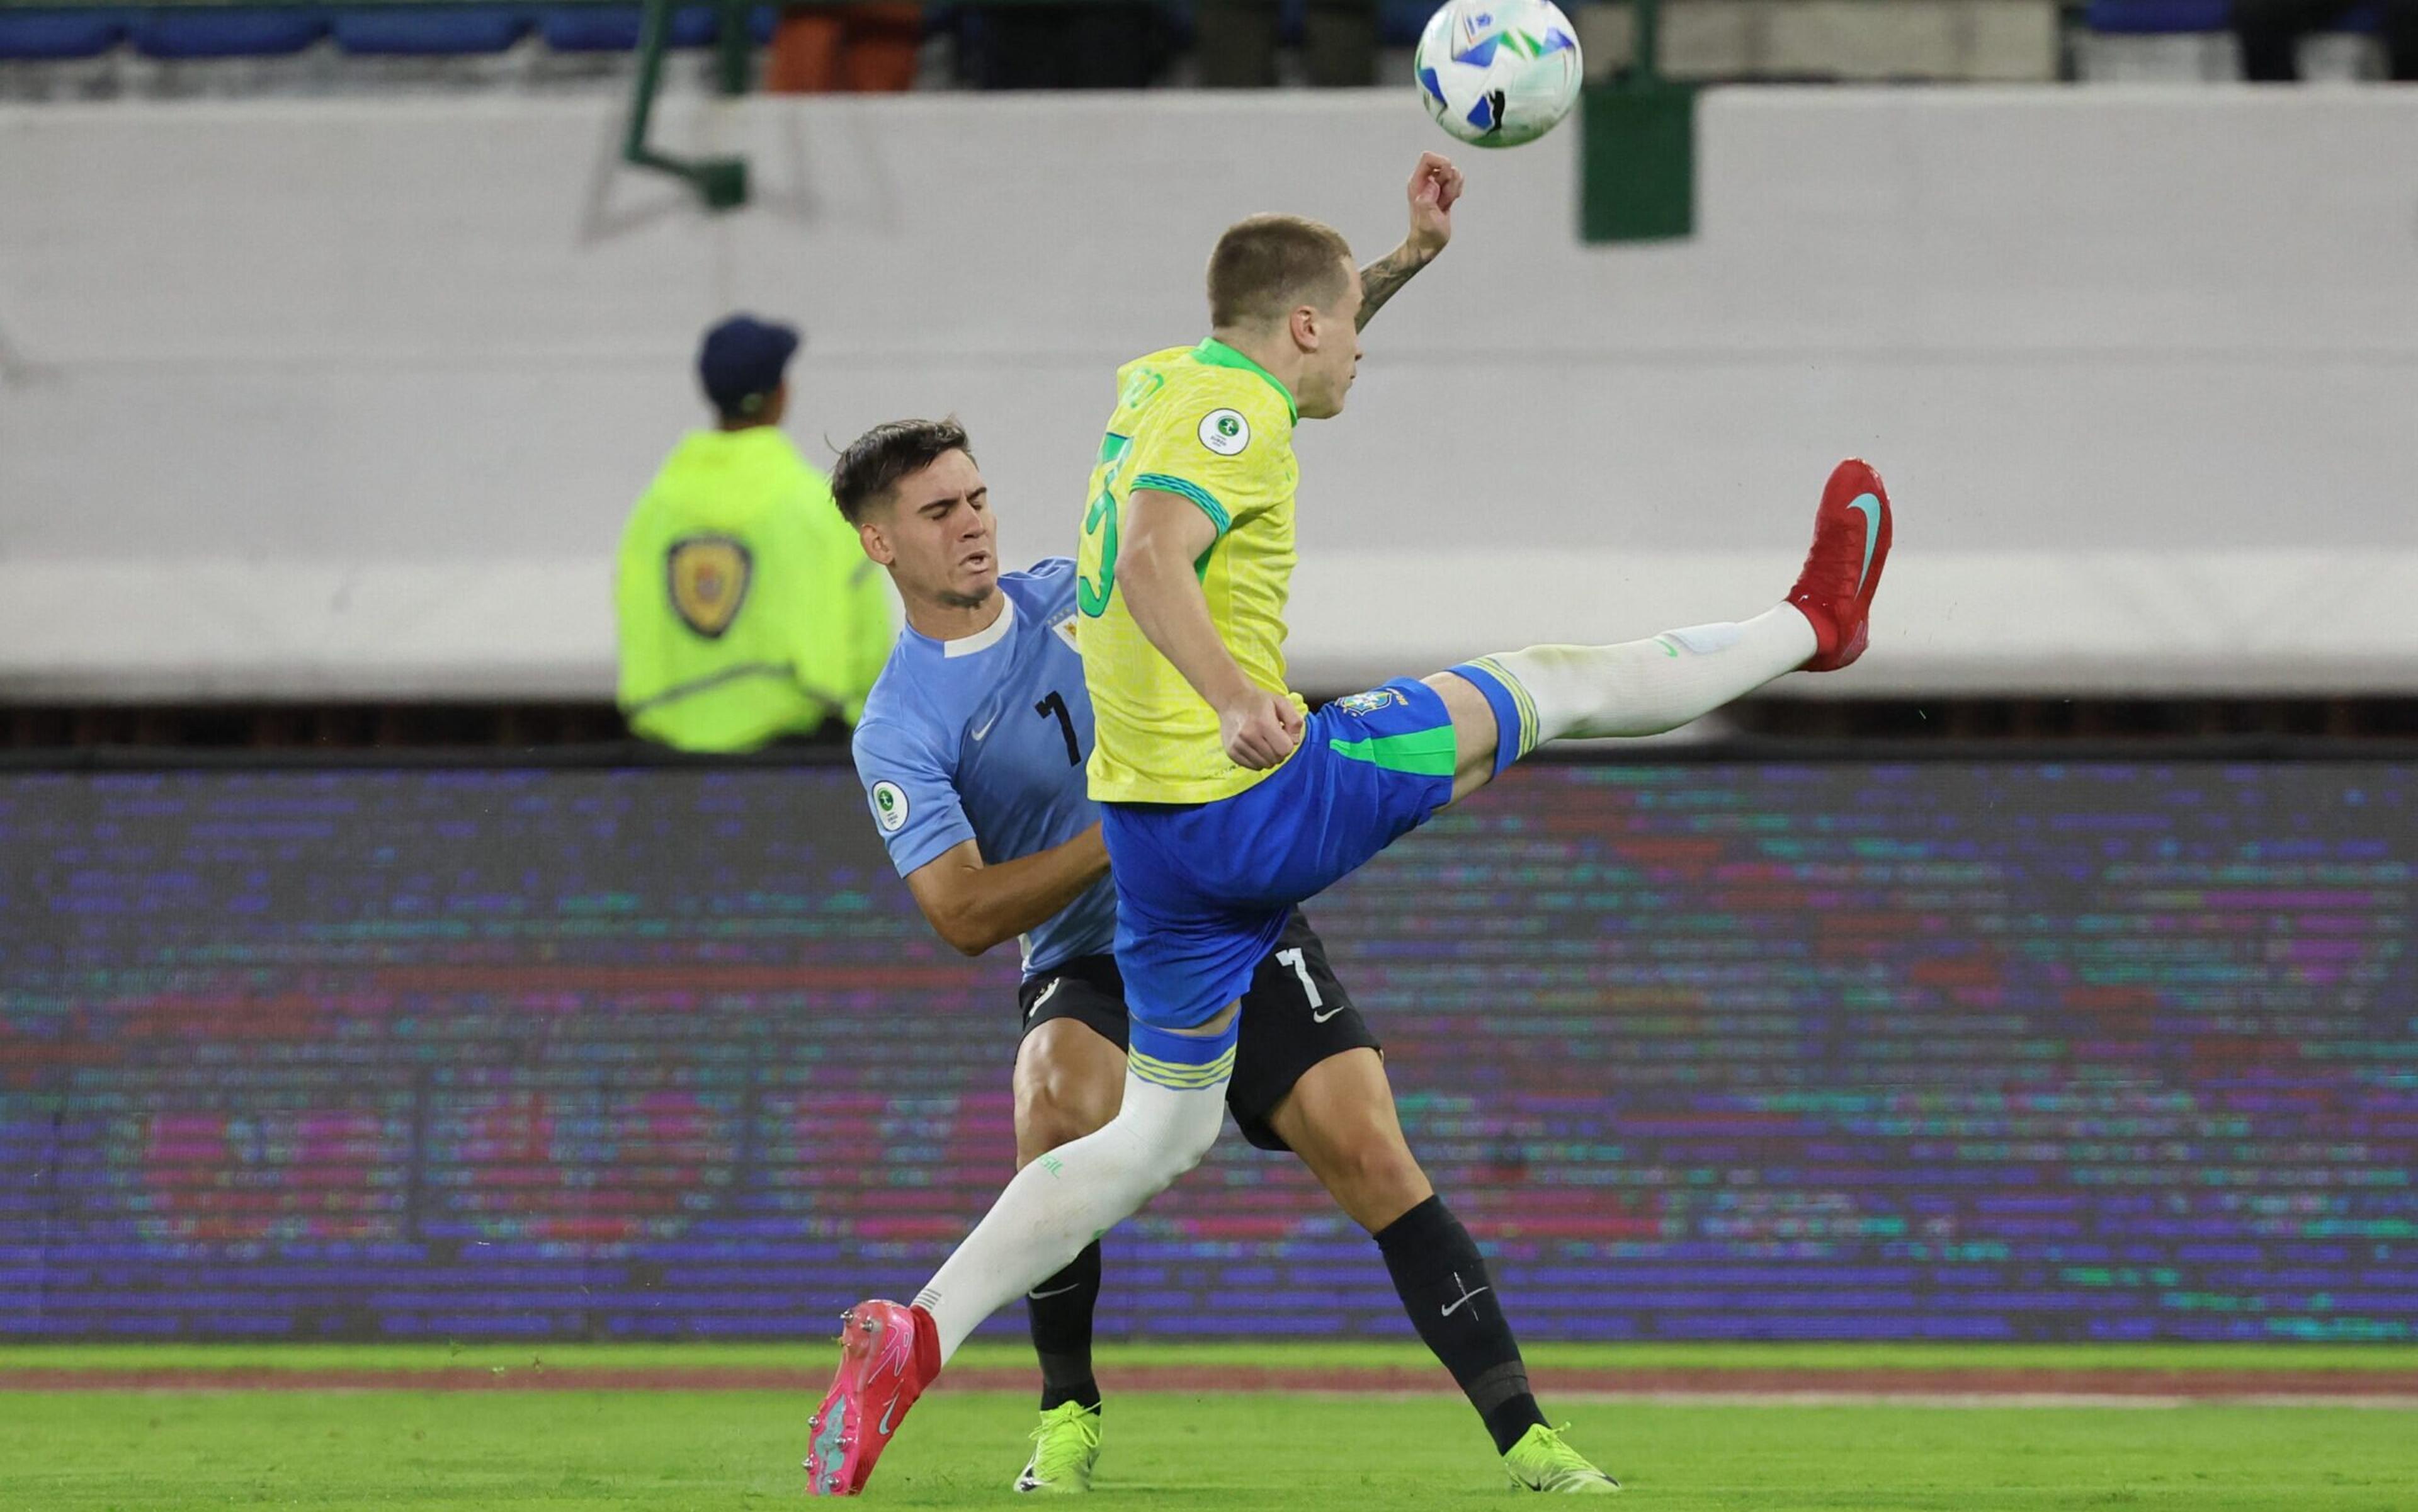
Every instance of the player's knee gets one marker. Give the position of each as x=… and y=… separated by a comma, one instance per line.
x=1375, y=1179
x=1173, y=1130
x=1199, y=1134
x=1188, y=1140
x=1068, y=1082
x=1054, y=1107
x=1043, y=1122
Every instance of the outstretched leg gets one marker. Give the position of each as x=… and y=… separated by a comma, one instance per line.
x=1075, y=1194
x=1506, y=705
x=1054, y=1207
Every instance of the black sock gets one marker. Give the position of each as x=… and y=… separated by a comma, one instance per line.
x=1452, y=1301
x=1061, y=1308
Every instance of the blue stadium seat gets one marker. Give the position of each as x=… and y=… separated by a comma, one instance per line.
x=1399, y=22
x=53, y=35
x=615, y=28
x=2157, y=16
x=227, y=33
x=436, y=32
x=1177, y=14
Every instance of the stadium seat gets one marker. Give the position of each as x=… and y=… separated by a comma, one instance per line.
x=2145, y=17
x=615, y=28
x=448, y=31
x=199, y=33
x=1176, y=13
x=2151, y=17
x=1399, y=22
x=760, y=21
x=54, y=35
x=590, y=28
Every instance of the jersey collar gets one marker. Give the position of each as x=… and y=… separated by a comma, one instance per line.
x=1216, y=354
x=983, y=640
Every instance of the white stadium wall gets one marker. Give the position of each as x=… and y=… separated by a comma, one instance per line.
x=350, y=398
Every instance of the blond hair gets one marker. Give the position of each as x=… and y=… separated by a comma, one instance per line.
x=1266, y=268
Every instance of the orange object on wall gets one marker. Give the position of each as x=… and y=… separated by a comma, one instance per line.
x=858, y=49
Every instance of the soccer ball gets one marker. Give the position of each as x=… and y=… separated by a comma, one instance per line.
x=1496, y=73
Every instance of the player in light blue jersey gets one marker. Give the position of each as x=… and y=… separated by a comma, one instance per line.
x=972, y=751
x=964, y=748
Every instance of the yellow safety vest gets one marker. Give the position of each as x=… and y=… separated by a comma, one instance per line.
x=747, y=610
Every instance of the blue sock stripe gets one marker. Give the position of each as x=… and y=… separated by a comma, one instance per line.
x=1182, y=1061
x=1515, y=724
x=1531, y=731
x=1183, y=1078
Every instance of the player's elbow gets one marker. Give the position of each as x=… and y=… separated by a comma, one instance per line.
x=964, y=938
x=971, y=945
x=964, y=932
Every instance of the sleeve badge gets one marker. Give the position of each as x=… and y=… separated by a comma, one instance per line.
x=888, y=806
x=1225, y=432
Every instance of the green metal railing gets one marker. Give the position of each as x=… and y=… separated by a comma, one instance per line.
x=720, y=182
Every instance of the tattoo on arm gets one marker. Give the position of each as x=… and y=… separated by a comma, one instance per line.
x=1381, y=279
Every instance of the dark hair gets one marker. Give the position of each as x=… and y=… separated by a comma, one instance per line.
x=1266, y=266
x=876, y=461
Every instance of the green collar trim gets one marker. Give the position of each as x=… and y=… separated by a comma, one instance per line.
x=1216, y=354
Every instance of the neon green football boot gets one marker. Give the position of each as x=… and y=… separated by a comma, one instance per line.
x=1065, y=1448
x=1540, y=1461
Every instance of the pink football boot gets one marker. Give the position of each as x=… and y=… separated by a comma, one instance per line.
x=887, y=1355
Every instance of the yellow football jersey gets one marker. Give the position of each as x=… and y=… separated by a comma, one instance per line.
x=1210, y=424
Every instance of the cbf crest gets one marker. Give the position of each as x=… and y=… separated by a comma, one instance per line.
x=708, y=577
x=1363, y=704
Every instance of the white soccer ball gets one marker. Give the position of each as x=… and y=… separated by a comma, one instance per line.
x=1496, y=73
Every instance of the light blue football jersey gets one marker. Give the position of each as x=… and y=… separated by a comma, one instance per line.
x=985, y=739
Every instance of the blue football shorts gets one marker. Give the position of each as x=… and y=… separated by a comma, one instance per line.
x=1203, y=889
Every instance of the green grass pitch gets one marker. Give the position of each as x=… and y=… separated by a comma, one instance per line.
x=1809, y=1359
x=506, y=1451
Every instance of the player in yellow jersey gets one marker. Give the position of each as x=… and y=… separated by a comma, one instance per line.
x=1221, y=427
x=1223, y=804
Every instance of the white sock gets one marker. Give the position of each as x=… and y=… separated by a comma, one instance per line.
x=1070, y=1197
x=1644, y=687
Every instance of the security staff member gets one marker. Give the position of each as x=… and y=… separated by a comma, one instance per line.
x=748, y=612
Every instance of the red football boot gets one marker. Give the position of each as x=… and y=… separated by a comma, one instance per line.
x=887, y=1355
x=1851, y=545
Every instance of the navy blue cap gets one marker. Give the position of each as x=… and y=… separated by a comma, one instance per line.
x=742, y=361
